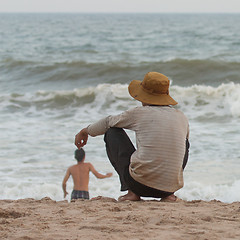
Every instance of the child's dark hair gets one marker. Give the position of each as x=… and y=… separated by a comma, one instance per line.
x=79, y=154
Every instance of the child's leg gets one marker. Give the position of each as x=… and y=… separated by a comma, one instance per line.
x=119, y=150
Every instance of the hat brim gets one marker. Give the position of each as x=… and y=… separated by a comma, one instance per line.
x=136, y=91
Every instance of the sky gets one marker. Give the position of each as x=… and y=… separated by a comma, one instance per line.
x=176, y=6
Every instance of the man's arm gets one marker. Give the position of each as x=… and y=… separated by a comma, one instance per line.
x=97, y=174
x=64, y=183
x=123, y=120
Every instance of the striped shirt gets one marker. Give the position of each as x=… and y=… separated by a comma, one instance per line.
x=161, y=133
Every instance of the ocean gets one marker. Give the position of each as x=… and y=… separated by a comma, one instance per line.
x=61, y=72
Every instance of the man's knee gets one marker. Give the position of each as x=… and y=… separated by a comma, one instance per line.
x=112, y=133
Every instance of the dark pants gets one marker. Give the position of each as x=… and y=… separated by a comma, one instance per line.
x=119, y=150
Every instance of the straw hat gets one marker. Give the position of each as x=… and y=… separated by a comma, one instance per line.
x=154, y=89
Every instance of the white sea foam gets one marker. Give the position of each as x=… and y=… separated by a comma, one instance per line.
x=208, y=101
x=192, y=190
x=223, y=192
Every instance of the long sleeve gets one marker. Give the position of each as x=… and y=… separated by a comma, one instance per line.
x=123, y=120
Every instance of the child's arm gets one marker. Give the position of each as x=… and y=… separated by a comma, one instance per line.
x=64, y=183
x=97, y=174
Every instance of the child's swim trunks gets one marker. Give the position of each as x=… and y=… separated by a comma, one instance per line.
x=79, y=194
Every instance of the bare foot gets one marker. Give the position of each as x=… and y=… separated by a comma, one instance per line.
x=129, y=196
x=170, y=198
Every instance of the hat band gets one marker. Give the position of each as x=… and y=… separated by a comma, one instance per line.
x=151, y=91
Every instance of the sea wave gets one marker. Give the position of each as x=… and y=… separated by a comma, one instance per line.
x=210, y=103
x=197, y=101
x=70, y=74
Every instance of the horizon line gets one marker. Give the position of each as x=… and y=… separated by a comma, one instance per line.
x=83, y=12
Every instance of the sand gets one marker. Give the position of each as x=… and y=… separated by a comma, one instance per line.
x=106, y=218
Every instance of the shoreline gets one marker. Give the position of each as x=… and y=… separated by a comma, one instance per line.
x=105, y=218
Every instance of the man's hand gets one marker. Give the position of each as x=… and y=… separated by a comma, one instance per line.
x=81, y=138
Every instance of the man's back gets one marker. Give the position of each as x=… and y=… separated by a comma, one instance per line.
x=161, y=133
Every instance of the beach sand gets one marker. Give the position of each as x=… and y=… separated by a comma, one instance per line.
x=105, y=218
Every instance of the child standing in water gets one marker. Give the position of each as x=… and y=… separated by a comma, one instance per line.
x=80, y=175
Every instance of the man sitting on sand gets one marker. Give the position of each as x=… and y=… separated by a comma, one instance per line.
x=155, y=168
x=80, y=175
